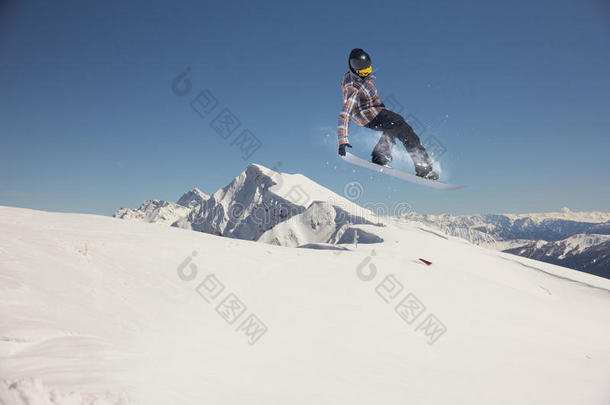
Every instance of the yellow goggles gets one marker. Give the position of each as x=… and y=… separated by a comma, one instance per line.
x=365, y=72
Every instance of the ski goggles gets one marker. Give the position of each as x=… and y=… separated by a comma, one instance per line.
x=365, y=72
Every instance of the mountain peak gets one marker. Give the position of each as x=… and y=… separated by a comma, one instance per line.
x=255, y=168
x=259, y=198
x=158, y=211
x=192, y=198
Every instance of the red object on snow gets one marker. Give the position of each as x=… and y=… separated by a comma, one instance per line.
x=425, y=261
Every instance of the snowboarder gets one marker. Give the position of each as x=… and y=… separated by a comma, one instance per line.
x=362, y=104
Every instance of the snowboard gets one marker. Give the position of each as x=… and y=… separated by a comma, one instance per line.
x=390, y=171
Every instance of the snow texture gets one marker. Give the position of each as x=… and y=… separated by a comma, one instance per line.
x=96, y=310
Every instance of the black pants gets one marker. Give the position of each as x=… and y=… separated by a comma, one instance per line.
x=395, y=127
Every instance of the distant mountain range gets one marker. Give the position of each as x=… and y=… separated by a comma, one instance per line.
x=292, y=210
x=578, y=240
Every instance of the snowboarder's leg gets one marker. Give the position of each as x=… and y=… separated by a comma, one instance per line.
x=394, y=126
x=382, y=153
x=421, y=159
x=404, y=132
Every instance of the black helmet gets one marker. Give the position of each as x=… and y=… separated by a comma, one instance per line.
x=358, y=61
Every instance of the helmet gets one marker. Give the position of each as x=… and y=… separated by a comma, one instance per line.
x=360, y=62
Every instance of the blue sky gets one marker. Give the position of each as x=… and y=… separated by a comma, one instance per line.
x=518, y=93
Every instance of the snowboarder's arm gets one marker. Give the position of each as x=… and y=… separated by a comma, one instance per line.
x=350, y=97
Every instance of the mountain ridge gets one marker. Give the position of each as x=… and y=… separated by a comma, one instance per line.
x=292, y=210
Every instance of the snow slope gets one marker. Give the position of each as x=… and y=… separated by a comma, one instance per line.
x=95, y=310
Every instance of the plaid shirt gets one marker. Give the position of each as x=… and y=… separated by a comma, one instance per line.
x=360, y=103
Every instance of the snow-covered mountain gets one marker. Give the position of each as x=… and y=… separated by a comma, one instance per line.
x=321, y=222
x=100, y=311
x=255, y=202
x=193, y=198
x=585, y=252
x=163, y=211
x=571, y=239
x=157, y=211
x=487, y=229
x=292, y=210
x=566, y=214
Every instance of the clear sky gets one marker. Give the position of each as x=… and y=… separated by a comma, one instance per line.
x=517, y=92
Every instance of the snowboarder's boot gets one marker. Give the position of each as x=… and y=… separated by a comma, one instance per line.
x=422, y=162
x=381, y=159
x=425, y=171
x=382, y=153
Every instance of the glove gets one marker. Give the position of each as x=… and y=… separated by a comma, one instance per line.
x=342, y=148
